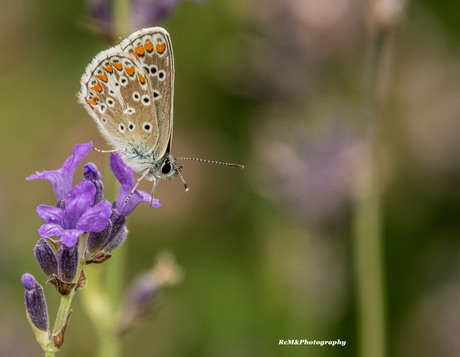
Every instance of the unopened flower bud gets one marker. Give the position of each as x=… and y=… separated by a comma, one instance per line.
x=67, y=262
x=46, y=257
x=92, y=174
x=35, y=302
x=97, y=240
x=117, y=239
x=119, y=231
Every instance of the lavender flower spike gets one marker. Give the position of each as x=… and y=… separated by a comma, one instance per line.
x=125, y=176
x=78, y=216
x=61, y=179
x=35, y=302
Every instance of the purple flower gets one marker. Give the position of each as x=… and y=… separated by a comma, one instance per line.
x=35, y=302
x=125, y=176
x=78, y=216
x=115, y=232
x=61, y=179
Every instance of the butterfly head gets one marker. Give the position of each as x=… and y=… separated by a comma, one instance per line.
x=165, y=169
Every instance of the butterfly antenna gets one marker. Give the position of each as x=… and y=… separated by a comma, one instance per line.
x=238, y=166
x=182, y=179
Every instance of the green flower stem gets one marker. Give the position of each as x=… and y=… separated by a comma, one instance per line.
x=108, y=344
x=368, y=242
x=102, y=295
x=121, y=14
x=101, y=309
x=368, y=250
x=61, y=318
x=49, y=353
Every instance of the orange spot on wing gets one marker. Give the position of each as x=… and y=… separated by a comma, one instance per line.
x=160, y=48
x=92, y=101
x=134, y=54
x=108, y=69
x=130, y=70
x=149, y=46
x=118, y=66
x=140, y=50
x=102, y=77
x=97, y=87
x=141, y=78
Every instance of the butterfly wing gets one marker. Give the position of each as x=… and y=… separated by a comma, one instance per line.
x=153, y=52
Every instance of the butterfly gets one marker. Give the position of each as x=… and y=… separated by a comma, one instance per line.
x=129, y=91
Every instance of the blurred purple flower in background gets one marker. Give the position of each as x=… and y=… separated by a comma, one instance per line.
x=308, y=168
x=140, y=296
x=295, y=41
x=101, y=17
x=143, y=13
x=146, y=13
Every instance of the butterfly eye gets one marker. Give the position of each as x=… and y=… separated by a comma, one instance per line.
x=166, y=168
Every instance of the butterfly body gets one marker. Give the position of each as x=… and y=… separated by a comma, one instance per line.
x=128, y=90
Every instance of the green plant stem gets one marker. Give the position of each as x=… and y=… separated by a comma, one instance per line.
x=108, y=344
x=102, y=296
x=121, y=14
x=101, y=307
x=61, y=318
x=367, y=226
x=49, y=353
x=368, y=246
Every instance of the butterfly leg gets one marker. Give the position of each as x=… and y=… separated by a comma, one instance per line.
x=144, y=175
x=156, y=181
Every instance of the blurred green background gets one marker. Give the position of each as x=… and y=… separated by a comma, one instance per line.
x=267, y=252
